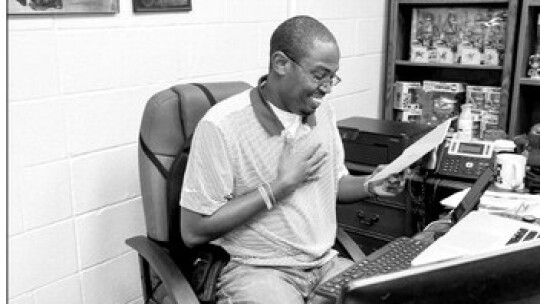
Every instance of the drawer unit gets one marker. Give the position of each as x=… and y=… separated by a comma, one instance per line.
x=383, y=217
x=374, y=222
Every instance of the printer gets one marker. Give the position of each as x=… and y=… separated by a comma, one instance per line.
x=369, y=141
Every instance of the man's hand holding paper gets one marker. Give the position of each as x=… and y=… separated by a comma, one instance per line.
x=389, y=186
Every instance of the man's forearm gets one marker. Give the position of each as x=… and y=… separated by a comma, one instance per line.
x=351, y=188
x=199, y=229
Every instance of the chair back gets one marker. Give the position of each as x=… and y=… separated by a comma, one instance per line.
x=168, y=122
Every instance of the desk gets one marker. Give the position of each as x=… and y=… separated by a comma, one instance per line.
x=428, y=192
x=373, y=222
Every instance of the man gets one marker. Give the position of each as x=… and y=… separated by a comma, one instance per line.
x=264, y=172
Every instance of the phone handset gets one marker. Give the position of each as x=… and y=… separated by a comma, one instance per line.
x=430, y=160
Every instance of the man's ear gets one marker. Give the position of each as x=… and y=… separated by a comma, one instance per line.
x=279, y=63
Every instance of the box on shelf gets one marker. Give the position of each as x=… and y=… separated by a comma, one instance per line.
x=486, y=102
x=447, y=87
x=490, y=57
x=492, y=102
x=440, y=101
x=444, y=54
x=419, y=53
x=476, y=96
x=405, y=95
x=410, y=115
x=484, y=97
x=492, y=106
x=470, y=55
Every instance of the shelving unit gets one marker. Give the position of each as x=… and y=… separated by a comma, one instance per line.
x=399, y=68
x=525, y=110
x=374, y=222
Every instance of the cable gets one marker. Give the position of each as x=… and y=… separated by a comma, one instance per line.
x=418, y=205
x=436, y=186
x=410, y=190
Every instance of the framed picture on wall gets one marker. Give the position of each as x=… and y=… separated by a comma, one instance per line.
x=161, y=5
x=39, y=7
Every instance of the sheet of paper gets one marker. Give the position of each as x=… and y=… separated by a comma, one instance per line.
x=511, y=202
x=453, y=200
x=516, y=203
x=415, y=151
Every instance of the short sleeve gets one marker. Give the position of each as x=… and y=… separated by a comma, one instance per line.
x=339, y=160
x=208, y=179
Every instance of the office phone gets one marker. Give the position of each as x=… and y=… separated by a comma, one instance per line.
x=464, y=159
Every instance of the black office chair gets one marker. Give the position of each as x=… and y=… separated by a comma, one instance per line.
x=168, y=122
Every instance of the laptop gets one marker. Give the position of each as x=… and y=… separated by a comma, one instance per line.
x=478, y=232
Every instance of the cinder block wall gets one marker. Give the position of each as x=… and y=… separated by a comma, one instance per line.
x=77, y=87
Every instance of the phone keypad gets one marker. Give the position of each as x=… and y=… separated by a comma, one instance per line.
x=465, y=167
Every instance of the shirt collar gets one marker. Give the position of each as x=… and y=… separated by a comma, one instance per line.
x=290, y=121
x=266, y=116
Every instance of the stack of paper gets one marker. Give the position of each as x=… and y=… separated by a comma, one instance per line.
x=511, y=202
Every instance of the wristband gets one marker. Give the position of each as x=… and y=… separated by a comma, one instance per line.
x=265, y=196
x=270, y=193
x=367, y=189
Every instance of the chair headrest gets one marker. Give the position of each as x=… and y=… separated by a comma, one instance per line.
x=174, y=113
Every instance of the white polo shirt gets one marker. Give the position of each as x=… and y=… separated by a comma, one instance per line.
x=235, y=148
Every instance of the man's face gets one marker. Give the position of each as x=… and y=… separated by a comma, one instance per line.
x=310, y=78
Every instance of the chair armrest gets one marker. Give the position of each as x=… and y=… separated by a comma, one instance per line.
x=349, y=245
x=173, y=279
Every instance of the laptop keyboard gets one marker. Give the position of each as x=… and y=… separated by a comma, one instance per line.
x=394, y=256
x=523, y=234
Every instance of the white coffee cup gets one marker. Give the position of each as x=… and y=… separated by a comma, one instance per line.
x=510, y=171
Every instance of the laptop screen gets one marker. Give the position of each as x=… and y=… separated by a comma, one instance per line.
x=472, y=198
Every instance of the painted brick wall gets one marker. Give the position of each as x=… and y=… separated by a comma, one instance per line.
x=77, y=86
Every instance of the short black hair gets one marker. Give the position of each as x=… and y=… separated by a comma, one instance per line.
x=295, y=36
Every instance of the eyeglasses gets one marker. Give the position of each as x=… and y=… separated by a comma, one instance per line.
x=323, y=80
